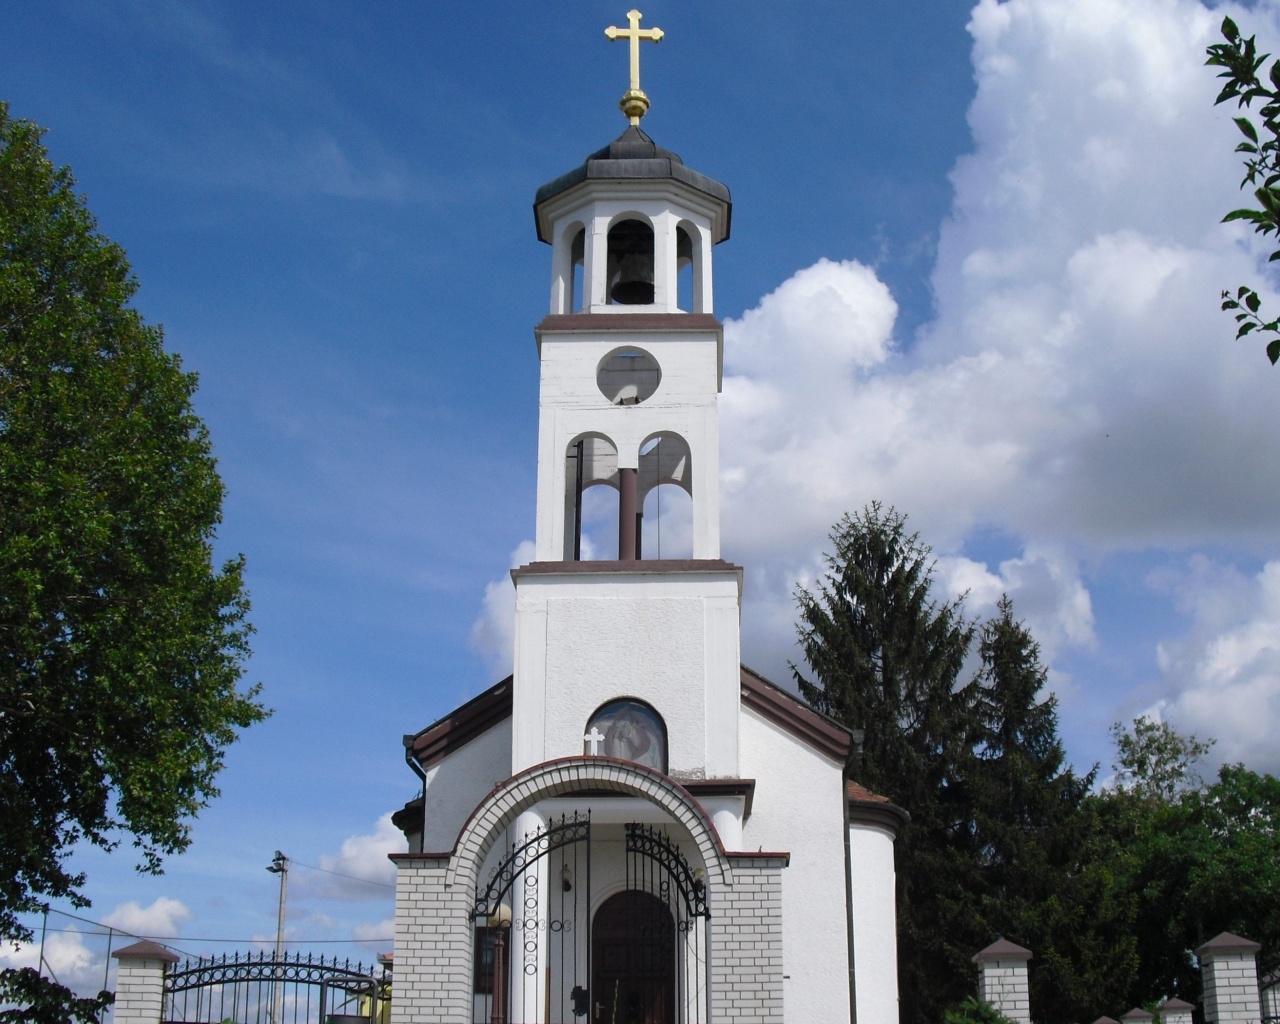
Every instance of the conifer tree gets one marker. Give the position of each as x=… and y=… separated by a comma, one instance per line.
x=1002, y=838
x=885, y=657
x=1043, y=879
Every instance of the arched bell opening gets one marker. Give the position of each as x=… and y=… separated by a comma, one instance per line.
x=598, y=536
x=577, y=256
x=666, y=495
x=667, y=523
x=692, y=266
x=591, y=497
x=684, y=270
x=629, y=268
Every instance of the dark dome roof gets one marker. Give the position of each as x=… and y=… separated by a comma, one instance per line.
x=633, y=155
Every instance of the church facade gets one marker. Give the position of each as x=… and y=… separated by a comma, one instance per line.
x=635, y=827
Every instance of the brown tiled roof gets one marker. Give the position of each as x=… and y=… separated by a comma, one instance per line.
x=790, y=713
x=1002, y=949
x=868, y=808
x=784, y=709
x=1225, y=942
x=458, y=728
x=570, y=322
x=654, y=565
x=746, y=788
x=146, y=950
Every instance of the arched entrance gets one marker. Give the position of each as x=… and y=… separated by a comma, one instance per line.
x=634, y=960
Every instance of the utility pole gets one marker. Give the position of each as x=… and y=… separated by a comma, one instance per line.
x=279, y=866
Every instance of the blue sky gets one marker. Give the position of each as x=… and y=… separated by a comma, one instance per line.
x=973, y=273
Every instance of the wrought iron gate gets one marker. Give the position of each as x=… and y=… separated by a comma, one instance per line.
x=656, y=866
x=1269, y=990
x=534, y=912
x=259, y=989
x=537, y=946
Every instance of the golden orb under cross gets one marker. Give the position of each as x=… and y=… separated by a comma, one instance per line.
x=634, y=102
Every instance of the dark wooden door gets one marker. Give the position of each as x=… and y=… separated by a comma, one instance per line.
x=633, y=957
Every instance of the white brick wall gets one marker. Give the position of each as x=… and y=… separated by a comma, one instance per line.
x=433, y=949
x=746, y=944
x=1231, y=989
x=1003, y=984
x=139, y=992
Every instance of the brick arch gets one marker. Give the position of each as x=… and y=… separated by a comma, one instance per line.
x=564, y=777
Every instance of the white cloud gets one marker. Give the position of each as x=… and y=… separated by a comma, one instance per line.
x=385, y=929
x=1224, y=674
x=1046, y=589
x=360, y=869
x=162, y=918
x=67, y=958
x=1078, y=391
x=493, y=633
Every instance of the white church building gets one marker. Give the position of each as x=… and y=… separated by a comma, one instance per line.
x=635, y=827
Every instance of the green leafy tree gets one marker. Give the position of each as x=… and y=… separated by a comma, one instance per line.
x=1197, y=858
x=1155, y=762
x=1241, y=63
x=121, y=643
x=973, y=1010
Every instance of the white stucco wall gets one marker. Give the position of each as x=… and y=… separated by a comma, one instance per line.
x=875, y=923
x=571, y=404
x=797, y=809
x=669, y=639
x=460, y=781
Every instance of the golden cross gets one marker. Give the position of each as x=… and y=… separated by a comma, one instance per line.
x=634, y=102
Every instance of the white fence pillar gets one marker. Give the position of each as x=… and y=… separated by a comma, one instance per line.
x=140, y=982
x=1137, y=1016
x=1175, y=1011
x=1229, y=968
x=1002, y=979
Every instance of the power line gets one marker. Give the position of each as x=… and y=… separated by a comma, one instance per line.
x=354, y=878
x=196, y=938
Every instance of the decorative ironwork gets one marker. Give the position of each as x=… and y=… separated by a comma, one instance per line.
x=1269, y=990
x=542, y=889
x=258, y=988
x=536, y=845
x=263, y=966
x=654, y=844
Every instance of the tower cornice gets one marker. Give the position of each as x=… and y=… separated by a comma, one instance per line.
x=593, y=323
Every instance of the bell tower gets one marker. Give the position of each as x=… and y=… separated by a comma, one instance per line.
x=631, y=361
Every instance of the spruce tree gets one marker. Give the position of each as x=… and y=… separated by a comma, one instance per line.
x=1043, y=883
x=885, y=657
x=1003, y=839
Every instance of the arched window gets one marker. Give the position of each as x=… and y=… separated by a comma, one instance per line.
x=629, y=730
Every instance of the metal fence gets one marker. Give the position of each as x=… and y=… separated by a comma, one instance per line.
x=257, y=988
x=1269, y=990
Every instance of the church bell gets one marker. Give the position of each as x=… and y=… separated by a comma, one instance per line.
x=631, y=254
x=633, y=284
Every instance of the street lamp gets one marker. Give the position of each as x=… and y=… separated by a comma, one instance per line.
x=279, y=866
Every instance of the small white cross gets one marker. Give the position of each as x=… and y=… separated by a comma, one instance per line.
x=594, y=738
